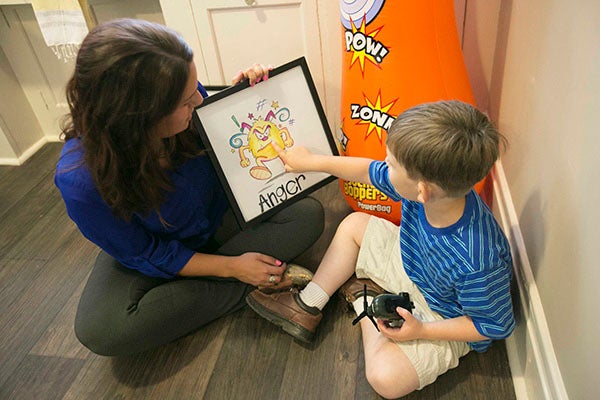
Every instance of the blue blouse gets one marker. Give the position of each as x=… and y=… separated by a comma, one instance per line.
x=194, y=210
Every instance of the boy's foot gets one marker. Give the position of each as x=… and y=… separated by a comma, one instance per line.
x=286, y=310
x=355, y=288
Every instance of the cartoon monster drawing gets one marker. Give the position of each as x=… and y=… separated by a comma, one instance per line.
x=261, y=135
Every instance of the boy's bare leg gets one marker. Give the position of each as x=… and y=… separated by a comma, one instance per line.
x=388, y=370
x=339, y=262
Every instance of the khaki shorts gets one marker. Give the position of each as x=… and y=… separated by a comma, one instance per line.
x=379, y=260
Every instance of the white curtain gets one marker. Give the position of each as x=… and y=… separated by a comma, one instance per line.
x=62, y=24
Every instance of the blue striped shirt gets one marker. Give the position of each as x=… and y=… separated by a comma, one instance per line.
x=462, y=269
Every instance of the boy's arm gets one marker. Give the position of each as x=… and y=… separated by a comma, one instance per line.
x=300, y=159
x=453, y=329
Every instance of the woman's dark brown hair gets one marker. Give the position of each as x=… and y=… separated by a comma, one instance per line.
x=129, y=74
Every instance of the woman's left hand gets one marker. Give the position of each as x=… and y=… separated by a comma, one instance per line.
x=254, y=74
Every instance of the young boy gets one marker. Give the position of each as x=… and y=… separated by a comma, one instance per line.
x=452, y=258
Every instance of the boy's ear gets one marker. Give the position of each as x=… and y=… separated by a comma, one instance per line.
x=424, y=194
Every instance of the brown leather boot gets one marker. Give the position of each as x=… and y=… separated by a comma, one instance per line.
x=294, y=276
x=286, y=310
x=354, y=288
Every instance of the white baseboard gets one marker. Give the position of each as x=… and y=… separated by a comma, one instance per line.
x=26, y=154
x=9, y=161
x=53, y=138
x=533, y=364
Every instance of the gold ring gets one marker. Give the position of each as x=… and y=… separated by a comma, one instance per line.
x=272, y=279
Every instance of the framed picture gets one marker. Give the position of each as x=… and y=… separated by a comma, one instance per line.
x=239, y=125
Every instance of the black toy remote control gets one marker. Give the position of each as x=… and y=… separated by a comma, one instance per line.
x=384, y=307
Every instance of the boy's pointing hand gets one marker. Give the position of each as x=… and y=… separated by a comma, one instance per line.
x=294, y=158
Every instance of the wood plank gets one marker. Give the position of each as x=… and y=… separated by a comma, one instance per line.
x=29, y=315
x=16, y=182
x=179, y=370
x=252, y=360
x=26, y=259
x=346, y=338
x=40, y=212
x=39, y=377
x=59, y=339
x=325, y=369
x=15, y=277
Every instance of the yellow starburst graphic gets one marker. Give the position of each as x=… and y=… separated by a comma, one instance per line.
x=362, y=55
x=379, y=110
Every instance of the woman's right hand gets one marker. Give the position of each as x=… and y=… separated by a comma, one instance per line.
x=256, y=269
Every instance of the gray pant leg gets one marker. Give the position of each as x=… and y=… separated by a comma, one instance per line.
x=285, y=236
x=122, y=311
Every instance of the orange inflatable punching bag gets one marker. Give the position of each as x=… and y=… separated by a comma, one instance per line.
x=396, y=54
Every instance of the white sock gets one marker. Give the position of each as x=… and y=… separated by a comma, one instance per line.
x=359, y=304
x=312, y=295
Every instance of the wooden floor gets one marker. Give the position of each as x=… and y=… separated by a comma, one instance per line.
x=44, y=263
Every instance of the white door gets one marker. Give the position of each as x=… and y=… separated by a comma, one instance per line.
x=234, y=34
x=42, y=76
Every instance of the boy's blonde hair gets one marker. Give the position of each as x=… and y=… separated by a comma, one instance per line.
x=449, y=143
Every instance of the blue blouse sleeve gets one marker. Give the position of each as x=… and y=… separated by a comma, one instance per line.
x=202, y=91
x=126, y=241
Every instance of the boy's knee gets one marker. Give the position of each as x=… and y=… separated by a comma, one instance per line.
x=354, y=220
x=354, y=224
x=387, y=384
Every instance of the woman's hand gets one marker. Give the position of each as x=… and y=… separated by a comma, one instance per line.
x=410, y=329
x=257, y=269
x=254, y=74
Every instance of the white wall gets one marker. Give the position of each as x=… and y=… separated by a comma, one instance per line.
x=32, y=79
x=20, y=132
x=543, y=89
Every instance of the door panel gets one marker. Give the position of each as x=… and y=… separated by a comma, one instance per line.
x=41, y=74
x=268, y=35
x=234, y=35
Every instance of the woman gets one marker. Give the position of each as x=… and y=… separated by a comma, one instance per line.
x=134, y=179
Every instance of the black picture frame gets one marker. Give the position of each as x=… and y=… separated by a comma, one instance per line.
x=238, y=125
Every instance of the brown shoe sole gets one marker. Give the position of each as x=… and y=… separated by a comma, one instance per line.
x=298, y=332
